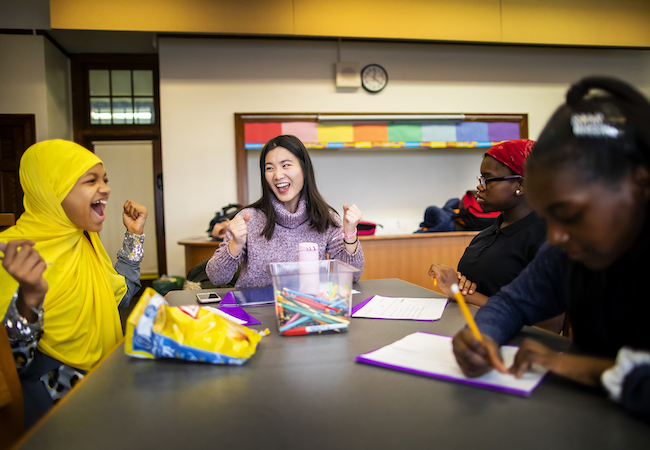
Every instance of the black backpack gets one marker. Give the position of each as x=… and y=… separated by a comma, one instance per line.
x=226, y=213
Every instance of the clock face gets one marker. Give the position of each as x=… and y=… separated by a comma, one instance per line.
x=374, y=78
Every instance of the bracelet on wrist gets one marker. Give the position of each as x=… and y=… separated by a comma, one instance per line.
x=353, y=242
x=349, y=236
x=18, y=327
x=132, y=247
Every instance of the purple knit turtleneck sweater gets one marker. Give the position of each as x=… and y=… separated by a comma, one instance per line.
x=290, y=230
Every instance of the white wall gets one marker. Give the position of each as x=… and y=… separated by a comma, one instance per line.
x=22, y=79
x=35, y=79
x=129, y=166
x=204, y=82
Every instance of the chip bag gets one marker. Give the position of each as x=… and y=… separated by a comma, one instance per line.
x=156, y=330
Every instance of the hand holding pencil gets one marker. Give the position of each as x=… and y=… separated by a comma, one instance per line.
x=476, y=353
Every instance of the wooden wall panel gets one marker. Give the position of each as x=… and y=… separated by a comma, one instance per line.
x=577, y=22
x=450, y=20
x=409, y=257
x=188, y=16
x=556, y=22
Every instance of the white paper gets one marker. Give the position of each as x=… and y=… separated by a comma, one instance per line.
x=432, y=355
x=225, y=315
x=403, y=308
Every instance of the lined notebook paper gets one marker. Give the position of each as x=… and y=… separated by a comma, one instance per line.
x=431, y=355
x=379, y=307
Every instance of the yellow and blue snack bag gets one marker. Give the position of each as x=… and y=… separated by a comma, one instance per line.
x=156, y=330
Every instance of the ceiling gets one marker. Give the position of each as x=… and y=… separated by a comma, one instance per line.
x=82, y=41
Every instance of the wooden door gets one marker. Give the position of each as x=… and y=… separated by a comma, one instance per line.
x=17, y=133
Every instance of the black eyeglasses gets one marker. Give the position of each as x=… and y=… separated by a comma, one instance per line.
x=484, y=181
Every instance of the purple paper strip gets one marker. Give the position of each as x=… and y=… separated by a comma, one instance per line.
x=228, y=300
x=523, y=393
x=503, y=131
x=239, y=313
x=363, y=359
x=358, y=306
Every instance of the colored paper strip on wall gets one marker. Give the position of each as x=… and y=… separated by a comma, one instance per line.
x=261, y=132
x=395, y=135
x=370, y=132
x=305, y=131
x=438, y=132
x=335, y=133
x=437, y=144
x=471, y=131
x=405, y=132
x=503, y=131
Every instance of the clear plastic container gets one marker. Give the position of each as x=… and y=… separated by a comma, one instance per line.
x=326, y=311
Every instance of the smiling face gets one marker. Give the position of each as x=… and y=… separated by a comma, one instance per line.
x=593, y=222
x=84, y=205
x=498, y=195
x=284, y=176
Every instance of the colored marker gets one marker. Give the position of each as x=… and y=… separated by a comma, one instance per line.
x=333, y=292
x=307, y=312
x=308, y=302
x=296, y=323
x=311, y=297
x=292, y=319
x=314, y=329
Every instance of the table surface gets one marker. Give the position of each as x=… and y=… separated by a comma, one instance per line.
x=307, y=392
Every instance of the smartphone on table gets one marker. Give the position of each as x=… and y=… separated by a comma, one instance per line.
x=205, y=298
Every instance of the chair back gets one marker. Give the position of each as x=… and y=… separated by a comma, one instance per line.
x=12, y=416
x=7, y=220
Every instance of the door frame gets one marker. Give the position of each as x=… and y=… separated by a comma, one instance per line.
x=85, y=133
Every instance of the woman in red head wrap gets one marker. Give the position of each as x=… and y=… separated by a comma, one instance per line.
x=500, y=252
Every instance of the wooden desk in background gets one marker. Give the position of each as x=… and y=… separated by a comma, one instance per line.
x=407, y=256
x=197, y=249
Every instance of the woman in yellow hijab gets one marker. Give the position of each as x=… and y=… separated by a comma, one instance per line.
x=59, y=293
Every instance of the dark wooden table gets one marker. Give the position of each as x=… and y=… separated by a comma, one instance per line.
x=307, y=392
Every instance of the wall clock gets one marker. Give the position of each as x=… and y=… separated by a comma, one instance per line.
x=374, y=78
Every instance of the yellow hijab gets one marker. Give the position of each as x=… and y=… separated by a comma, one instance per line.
x=81, y=321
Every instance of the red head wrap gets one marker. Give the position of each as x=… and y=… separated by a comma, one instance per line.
x=512, y=153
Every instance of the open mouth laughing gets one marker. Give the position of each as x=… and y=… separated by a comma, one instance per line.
x=283, y=188
x=99, y=207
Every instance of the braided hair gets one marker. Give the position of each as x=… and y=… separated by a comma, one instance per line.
x=605, y=134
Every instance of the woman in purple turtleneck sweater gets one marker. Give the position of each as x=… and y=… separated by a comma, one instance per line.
x=290, y=211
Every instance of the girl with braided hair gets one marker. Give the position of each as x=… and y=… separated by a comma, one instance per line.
x=589, y=178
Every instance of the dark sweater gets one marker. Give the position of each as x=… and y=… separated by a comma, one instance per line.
x=497, y=255
x=608, y=309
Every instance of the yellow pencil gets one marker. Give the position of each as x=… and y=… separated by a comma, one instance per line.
x=435, y=281
x=468, y=316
